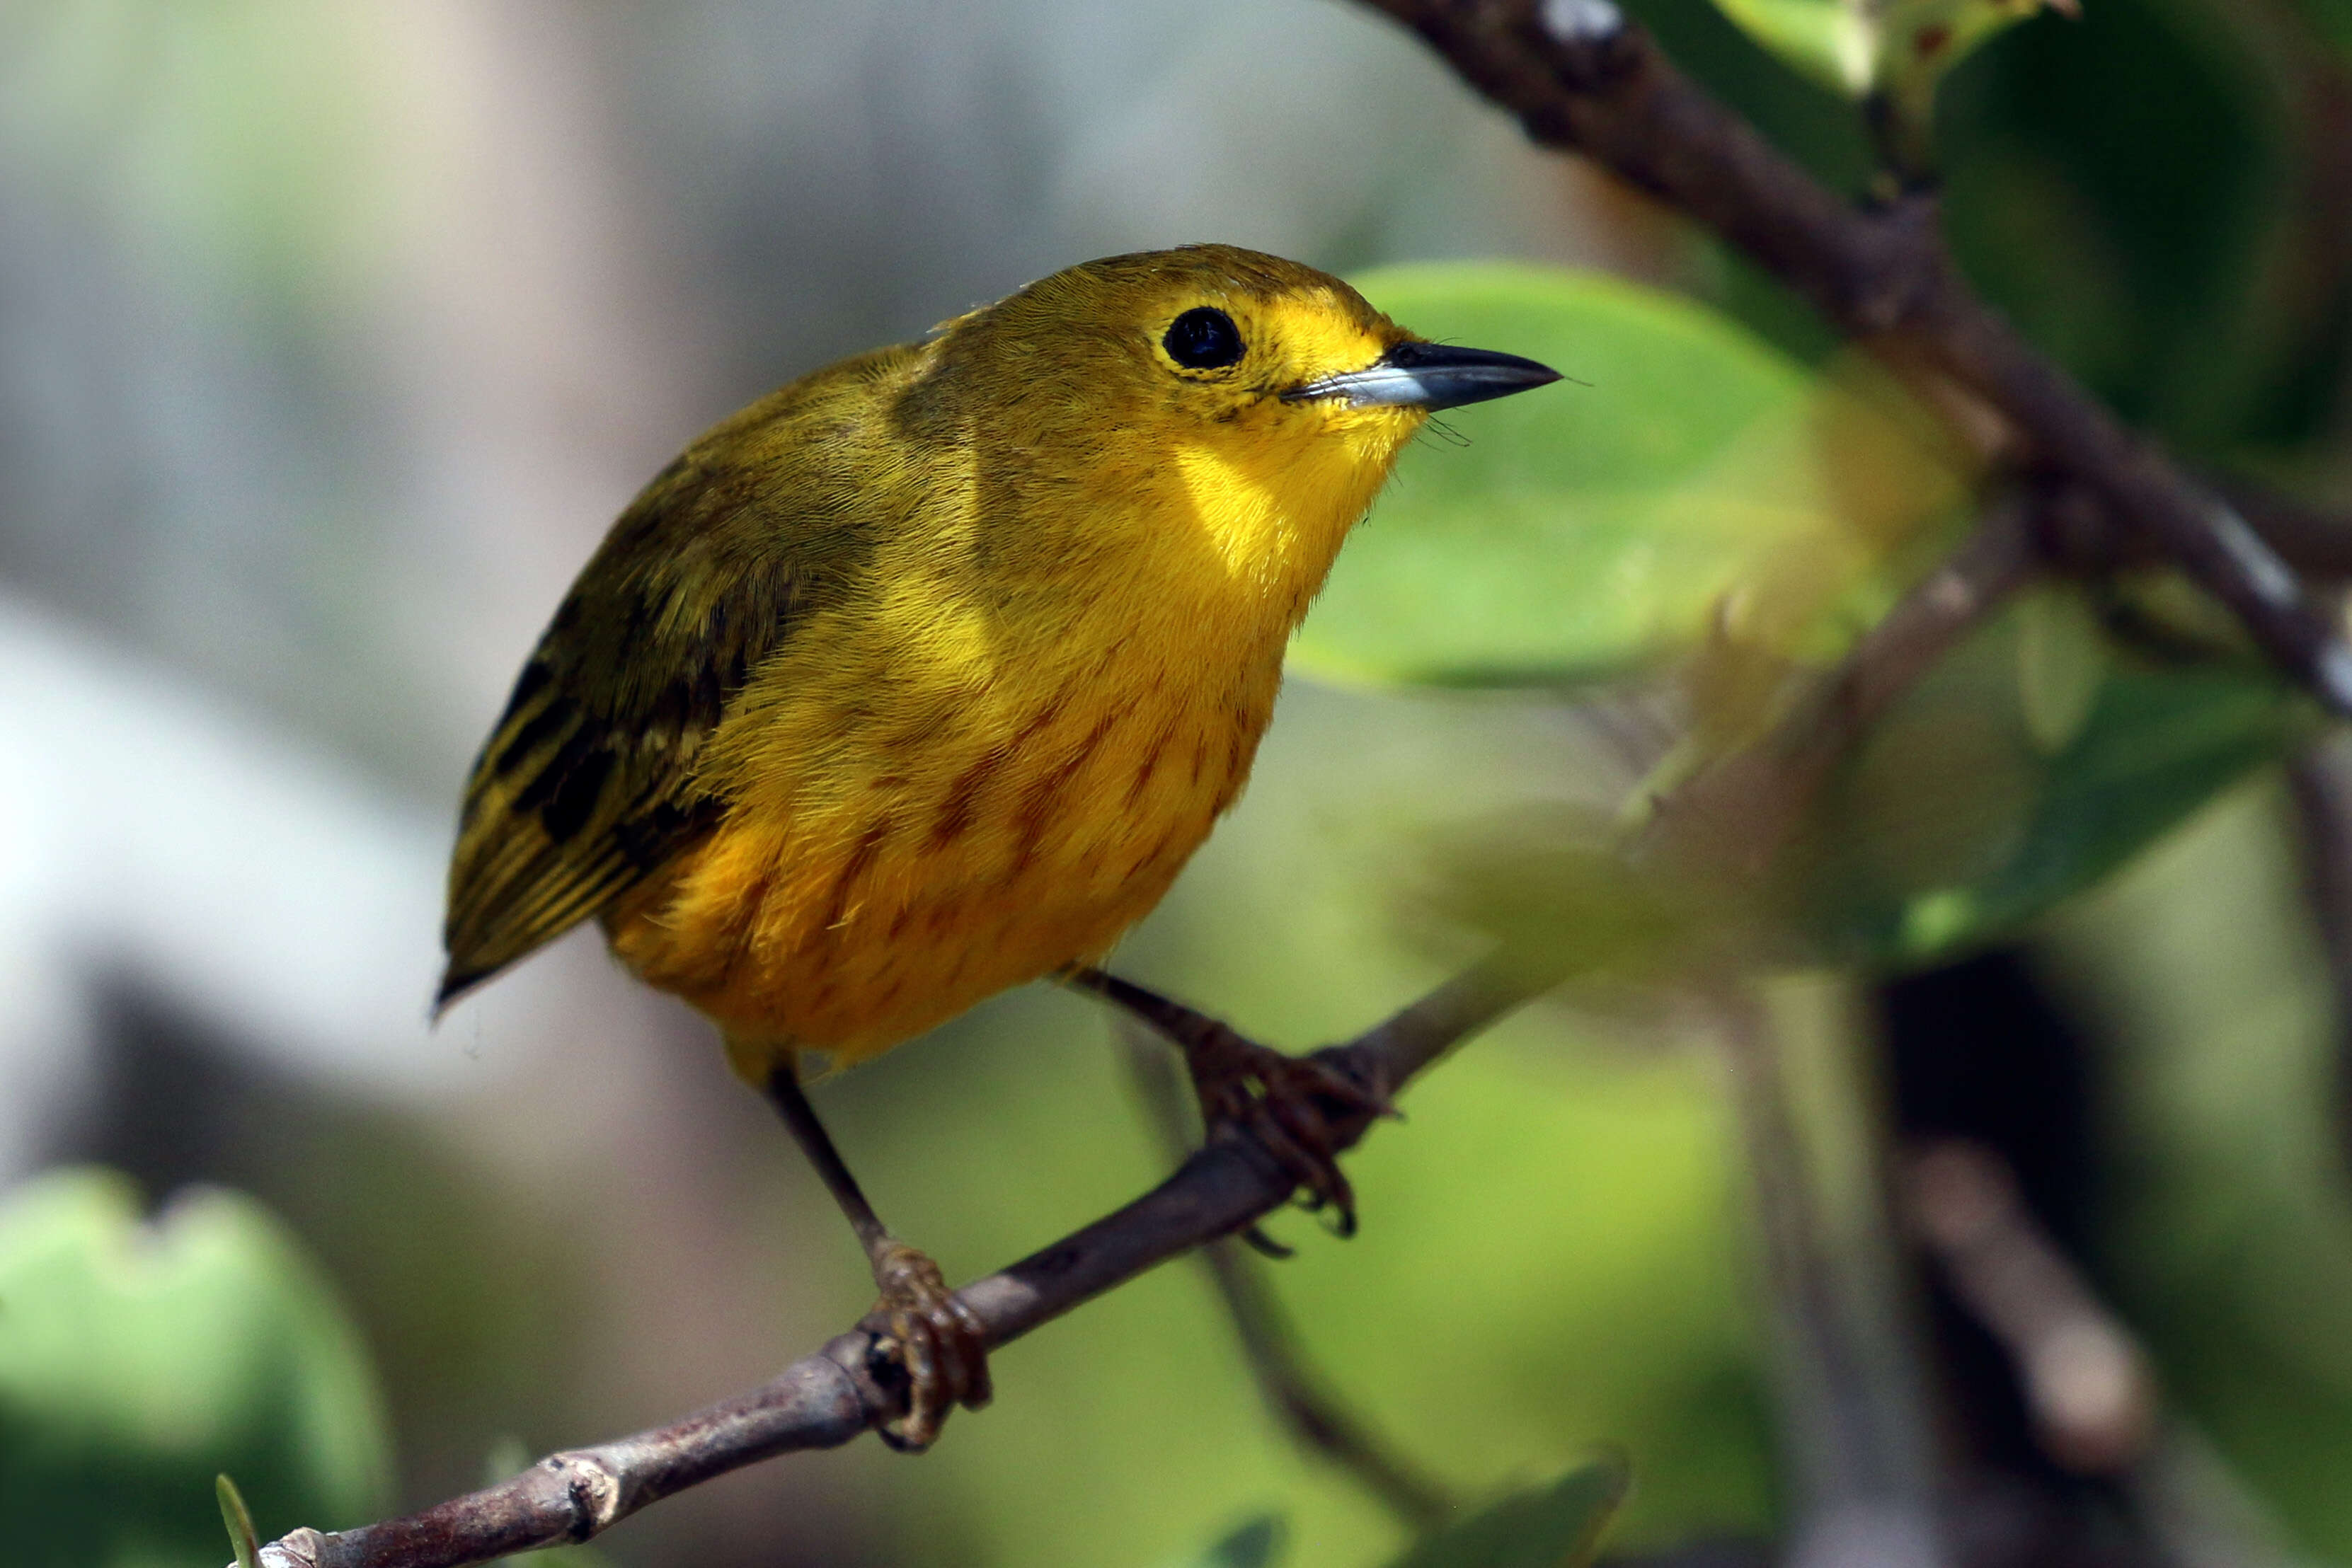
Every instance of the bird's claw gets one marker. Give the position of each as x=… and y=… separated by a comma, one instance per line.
x=937, y=1340
x=1288, y=1105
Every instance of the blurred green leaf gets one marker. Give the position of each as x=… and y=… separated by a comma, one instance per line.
x=1858, y=47
x=1813, y=123
x=1956, y=823
x=140, y=1360
x=1917, y=42
x=1830, y=41
x=1554, y=1526
x=2332, y=18
x=1252, y=1545
x=240, y=1520
x=2124, y=187
x=1699, y=484
x=2034, y=760
x=2062, y=660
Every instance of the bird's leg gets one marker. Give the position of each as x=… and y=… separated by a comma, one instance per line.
x=1285, y=1104
x=941, y=1344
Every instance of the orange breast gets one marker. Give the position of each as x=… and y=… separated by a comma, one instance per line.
x=897, y=897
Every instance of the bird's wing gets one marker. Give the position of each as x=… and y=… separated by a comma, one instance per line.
x=587, y=785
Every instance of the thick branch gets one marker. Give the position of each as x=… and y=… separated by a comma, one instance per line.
x=1580, y=76
x=1296, y=1395
x=825, y=1400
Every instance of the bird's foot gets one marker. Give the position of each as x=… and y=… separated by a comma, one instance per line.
x=1288, y=1105
x=934, y=1339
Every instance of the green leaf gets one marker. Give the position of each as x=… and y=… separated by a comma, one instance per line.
x=1980, y=800
x=1699, y=483
x=2332, y=19
x=1834, y=42
x=140, y=1360
x=1860, y=47
x=2115, y=186
x=1918, y=42
x=1554, y=1526
x=1252, y=1545
x=2062, y=660
x=1956, y=822
x=240, y=1520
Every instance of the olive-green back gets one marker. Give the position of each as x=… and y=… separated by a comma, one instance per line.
x=587, y=785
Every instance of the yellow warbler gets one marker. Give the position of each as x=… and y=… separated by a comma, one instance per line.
x=924, y=676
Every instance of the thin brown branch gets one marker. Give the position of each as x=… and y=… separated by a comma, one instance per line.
x=2094, y=1400
x=2319, y=783
x=1581, y=76
x=852, y=1386
x=1297, y=1396
x=1304, y=1402
x=2086, y=1384
x=1850, y=1404
x=2314, y=539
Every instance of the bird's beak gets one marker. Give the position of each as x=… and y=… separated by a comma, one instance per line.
x=1429, y=376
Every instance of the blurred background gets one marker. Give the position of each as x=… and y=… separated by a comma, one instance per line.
x=333, y=334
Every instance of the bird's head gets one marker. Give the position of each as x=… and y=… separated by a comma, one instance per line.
x=1267, y=398
x=1213, y=334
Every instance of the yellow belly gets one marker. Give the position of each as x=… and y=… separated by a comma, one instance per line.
x=1009, y=842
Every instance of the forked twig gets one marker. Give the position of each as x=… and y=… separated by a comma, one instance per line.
x=1296, y=1394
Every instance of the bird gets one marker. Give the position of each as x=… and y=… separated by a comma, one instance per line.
x=922, y=677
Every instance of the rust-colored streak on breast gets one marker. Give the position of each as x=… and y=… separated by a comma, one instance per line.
x=960, y=809
x=1150, y=763
x=861, y=858
x=1038, y=799
x=1043, y=719
x=1153, y=855
x=957, y=810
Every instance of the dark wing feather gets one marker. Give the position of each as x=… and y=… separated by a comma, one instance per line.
x=587, y=784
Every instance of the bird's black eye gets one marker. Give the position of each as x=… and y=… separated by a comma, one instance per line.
x=1204, y=339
